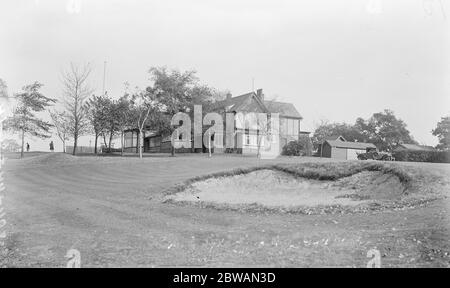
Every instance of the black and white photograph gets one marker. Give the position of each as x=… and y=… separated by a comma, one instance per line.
x=226, y=134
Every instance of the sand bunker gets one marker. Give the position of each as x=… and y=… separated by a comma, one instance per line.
x=272, y=188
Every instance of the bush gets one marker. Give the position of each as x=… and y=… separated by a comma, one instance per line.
x=301, y=147
x=423, y=156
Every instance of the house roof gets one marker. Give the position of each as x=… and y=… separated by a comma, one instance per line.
x=416, y=147
x=350, y=145
x=283, y=108
x=246, y=103
x=238, y=103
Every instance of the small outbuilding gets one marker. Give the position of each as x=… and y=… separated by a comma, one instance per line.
x=345, y=150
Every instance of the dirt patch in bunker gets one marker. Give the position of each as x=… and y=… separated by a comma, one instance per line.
x=272, y=189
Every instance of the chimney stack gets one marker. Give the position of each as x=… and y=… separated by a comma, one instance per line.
x=260, y=95
x=229, y=95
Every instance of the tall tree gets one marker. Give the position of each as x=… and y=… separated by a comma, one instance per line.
x=385, y=130
x=61, y=122
x=24, y=119
x=173, y=93
x=442, y=131
x=76, y=91
x=118, y=117
x=123, y=114
x=97, y=114
x=4, y=99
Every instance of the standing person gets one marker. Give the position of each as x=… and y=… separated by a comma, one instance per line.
x=28, y=147
x=51, y=146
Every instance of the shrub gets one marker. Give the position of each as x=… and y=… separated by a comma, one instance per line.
x=423, y=156
x=301, y=147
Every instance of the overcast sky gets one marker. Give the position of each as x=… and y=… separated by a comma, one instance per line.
x=335, y=60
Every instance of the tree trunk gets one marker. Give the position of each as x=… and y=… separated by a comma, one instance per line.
x=104, y=140
x=64, y=146
x=121, y=144
x=75, y=133
x=111, y=133
x=95, y=143
x=140, y=143
x=75, y=141
x=23, y=143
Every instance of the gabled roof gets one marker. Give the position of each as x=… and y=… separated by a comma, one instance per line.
x=416, y=147
x=283, y=108
x=249, y=102
x=233, y=104
x=335, y=138
x=350, y=145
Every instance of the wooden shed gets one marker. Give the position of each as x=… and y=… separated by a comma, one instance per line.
x=345, y=150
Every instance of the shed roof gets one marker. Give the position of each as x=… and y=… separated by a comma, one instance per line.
x=350, y=145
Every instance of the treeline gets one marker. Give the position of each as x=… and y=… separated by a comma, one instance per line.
x=84, y=113
x=170, y=91
x=383, y=129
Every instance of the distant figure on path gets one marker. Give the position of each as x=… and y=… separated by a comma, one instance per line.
x=51, y=146
x=28, y=147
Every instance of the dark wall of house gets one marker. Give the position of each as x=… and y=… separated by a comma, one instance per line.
x=326, y=150
x=165, y=147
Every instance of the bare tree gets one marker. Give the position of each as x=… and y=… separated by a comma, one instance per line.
x=76, y=90
x=61, y=122
x=141, y=110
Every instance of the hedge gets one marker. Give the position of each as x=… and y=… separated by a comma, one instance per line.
x=300, y=147
x=423, y=156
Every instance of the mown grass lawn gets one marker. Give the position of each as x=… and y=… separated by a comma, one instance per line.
x=109, y=209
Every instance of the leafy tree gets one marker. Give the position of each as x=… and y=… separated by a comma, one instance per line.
x=61, y=122
x=300, y=147
x=24, y=119
x=325, y=130
x=97, y=115
x=76, y=91
x=111, y=122
x=442, y=131
x=173, y=91
x=118, y=117
x=4, y=99
x=3, y=89
x=123, y=116
x=385, y=130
